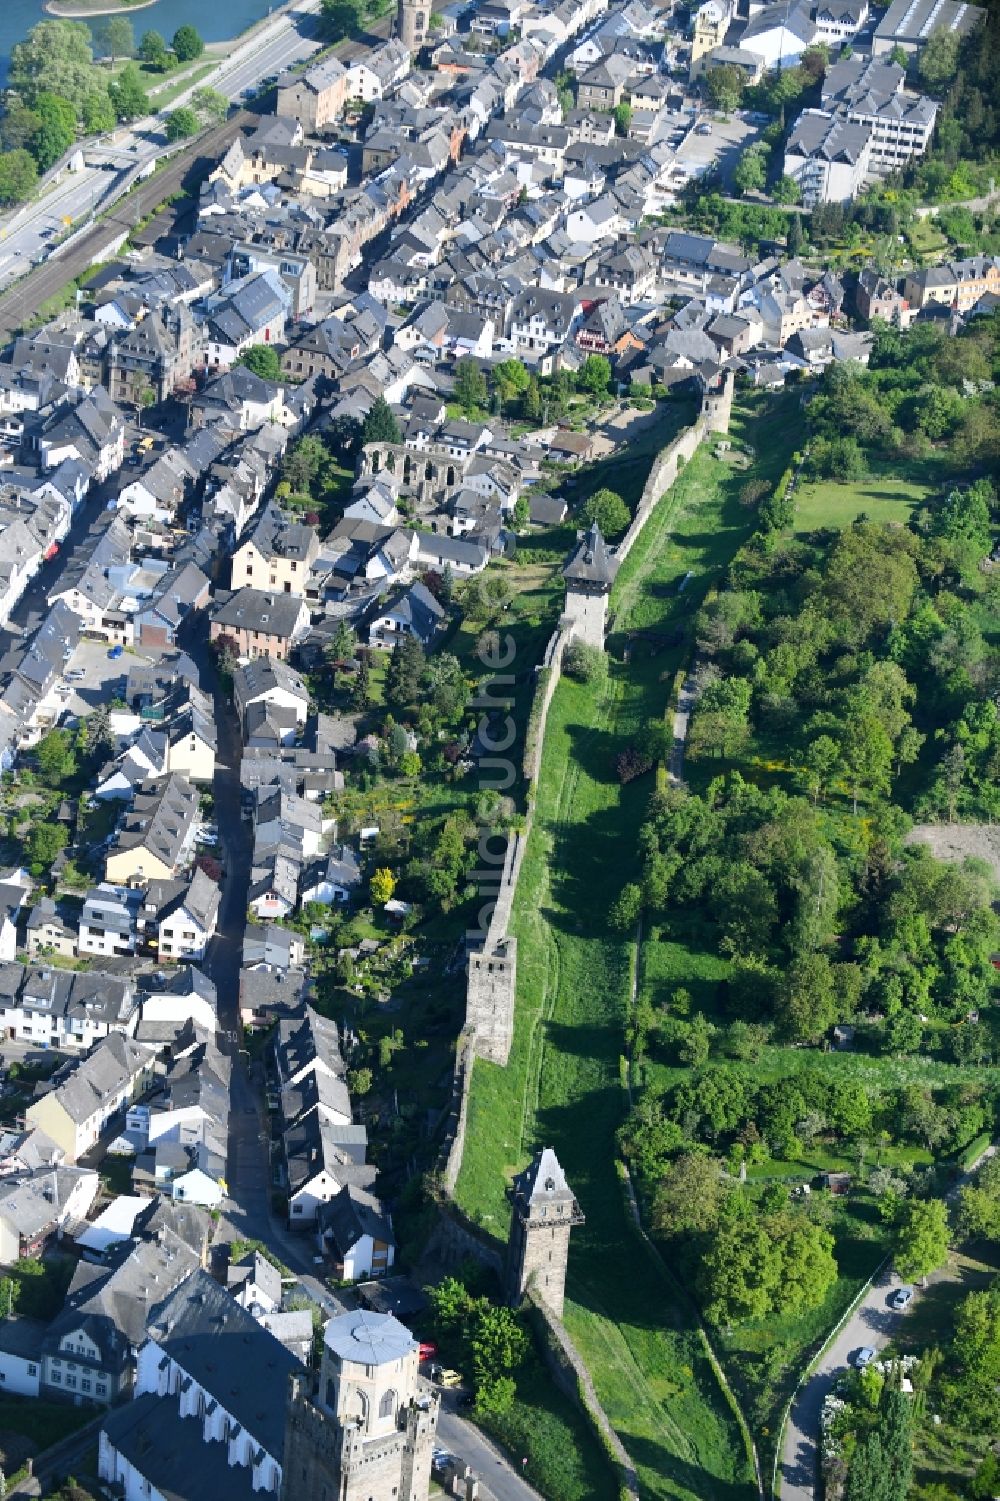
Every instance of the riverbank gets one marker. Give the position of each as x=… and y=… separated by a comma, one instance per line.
x=80, y=10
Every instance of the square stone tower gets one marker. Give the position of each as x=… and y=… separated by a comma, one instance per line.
x=589, y=574
x=367, y=1432
x=545, y=1211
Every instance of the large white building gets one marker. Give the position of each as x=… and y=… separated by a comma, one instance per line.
x=828, y=157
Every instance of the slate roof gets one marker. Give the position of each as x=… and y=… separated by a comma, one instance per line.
x=150, y=1434
x=160, y=819
x=254, y=610
x=112, y=1065
x=230, y=1355
x=352, y=1214
x=591, y=562
x=368, y=1338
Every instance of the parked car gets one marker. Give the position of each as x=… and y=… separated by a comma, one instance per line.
x=901, y=1297
x=864, y=1357
x=75, y=675
x=114, y=652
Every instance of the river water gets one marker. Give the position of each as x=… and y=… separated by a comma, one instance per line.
x=216, y=21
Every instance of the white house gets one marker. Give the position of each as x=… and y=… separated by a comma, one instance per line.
x=20, y=1357
x=186, y=923
x=354, y=1231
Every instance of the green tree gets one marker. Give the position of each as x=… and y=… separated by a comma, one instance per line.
x=54, y=58
x=182, y=123
x=806, y=1005
x=498, y=1343
x=625, y=909
x=153, y=51
x=44, y=843
x=786, y=190
x=766, y=1264
x=187, y=44
x=114, y=37
x=595, y=375
x=586, y=663
x=470, y=386
x=17, y=126
x=262, y=360
x=360, y=1081
x=404, y=673
x=973, y=1388
x=690, y=1195
x=304, y=462
x=921, y=1243
x=56, y=758
x=937, y=62
x=510, y=381
x=341, y=18
x=446, y=686
x=623, y=117
x=724, y=87
x=361, y=690
x=380, y=426
x=750, y=172
x=128, y=94
x=18, y=175
x=610, y=512
x=212, y=106
x=98, y=113
x=56, y=129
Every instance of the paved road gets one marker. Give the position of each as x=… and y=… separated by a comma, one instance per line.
x=20, y=302
x=467, y=1443
x=873, y=1323
x=286, y=39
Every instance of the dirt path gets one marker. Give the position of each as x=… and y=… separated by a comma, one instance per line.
x=958, y=841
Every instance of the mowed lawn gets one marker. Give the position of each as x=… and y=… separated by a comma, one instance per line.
x=563, y=1085
x=886, y=494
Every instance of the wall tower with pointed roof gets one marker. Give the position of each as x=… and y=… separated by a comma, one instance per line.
x=589, y=574
x=545, y=1211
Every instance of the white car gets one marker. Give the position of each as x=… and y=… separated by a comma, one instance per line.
x=864, y=1357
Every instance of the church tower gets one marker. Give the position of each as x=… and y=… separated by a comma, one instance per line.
x=412, y=20
x=367, y=1432
x=545, y=1211
x=589, y=574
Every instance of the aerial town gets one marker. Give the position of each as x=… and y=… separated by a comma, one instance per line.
x=500, y=753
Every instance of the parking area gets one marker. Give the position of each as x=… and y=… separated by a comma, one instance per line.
x=103, y=678
x=719, y=148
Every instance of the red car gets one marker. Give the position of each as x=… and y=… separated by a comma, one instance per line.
x=427, y=1350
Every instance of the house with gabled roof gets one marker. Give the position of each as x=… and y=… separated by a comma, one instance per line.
x=156, y=839
x=76, y=1112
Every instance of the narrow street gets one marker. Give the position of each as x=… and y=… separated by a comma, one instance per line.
x=874, y=1322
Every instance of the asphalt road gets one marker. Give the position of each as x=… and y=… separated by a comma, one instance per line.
x=466, y=1442
x=291, y=38
x=286, y=39
x=183, y=174
x=873, y=1323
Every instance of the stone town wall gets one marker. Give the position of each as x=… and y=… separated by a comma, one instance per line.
x=492, y=982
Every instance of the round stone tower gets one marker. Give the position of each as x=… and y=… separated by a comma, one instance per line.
x=412, y=20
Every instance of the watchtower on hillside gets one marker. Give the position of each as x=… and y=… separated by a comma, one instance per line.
x=545, y=1211
x=589, y=574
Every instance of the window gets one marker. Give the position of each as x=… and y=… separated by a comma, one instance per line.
x=56, y=1378
x=32, y=1370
